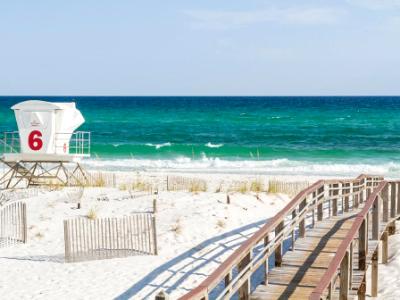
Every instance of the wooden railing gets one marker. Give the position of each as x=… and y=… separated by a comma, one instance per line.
x=321, y=200
x=374, y=223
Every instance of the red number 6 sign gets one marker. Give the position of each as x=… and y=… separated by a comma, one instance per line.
x=34, y=140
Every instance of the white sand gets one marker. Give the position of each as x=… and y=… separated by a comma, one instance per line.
x=209, y=231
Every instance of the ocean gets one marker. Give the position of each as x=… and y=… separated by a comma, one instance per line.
x=263, y=135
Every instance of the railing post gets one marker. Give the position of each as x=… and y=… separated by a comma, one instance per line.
x=375, y=218
x=320, y=212
x=266, y=266
x=385, y=253
x=393, y=200
x=398, y=198
x=341, y=195
x=294, y=214
x=362, y=190
x=344, y=277
x=228, y=279
x=374, y=274
x=335, y=194
x=313, y=202
x=351, y=265
x=346, y=191
x=244, y=290
x=302, y=223
x=362, y=245
x=278, y=250
x=362, y=291
x=385, y=203
x=356, y=194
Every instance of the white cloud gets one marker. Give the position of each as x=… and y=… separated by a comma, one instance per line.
x=297, y=16
x=376, y=4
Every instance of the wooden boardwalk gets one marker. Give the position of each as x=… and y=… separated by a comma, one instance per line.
x=303, y=267
x=337, y=228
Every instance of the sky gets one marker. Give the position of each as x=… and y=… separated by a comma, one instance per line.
x=209, y=47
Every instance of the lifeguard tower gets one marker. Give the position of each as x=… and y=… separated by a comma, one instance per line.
x=46, y=149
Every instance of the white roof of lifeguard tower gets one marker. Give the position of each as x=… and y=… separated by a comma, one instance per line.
x=45, y=130
x=43, y=105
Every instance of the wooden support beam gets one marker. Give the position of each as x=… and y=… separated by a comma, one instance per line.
x=344, y=277
x=279, y=248
x=362, y=291
x=385, y=203
x=385, y=250
x=244, y=290
x=320, y=212
x=362, y=245
x=376, y=218
x=392, y=228
x=228, y=279
x=351, y=265
x=294, y=214
x=302, y=223
x=398, y=199
x=393, y=195
x=266, y=265
x=374, y=274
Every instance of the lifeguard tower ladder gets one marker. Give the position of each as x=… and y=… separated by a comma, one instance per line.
x=45, y=150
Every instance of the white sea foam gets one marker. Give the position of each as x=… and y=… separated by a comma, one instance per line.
x=273, y=167
x=158, y=146
x=210, y=145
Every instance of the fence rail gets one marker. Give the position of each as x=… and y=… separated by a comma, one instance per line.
x=320, y=200
x=110, y=237
x=13, y=227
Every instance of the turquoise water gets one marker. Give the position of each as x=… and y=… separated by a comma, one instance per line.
x=291, y=134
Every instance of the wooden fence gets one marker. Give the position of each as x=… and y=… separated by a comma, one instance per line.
x=287, y=187
x=110, y=237
x=13, y=228
x=180, y=183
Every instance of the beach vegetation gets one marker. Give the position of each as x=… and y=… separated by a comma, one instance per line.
x=256, y=186
x=221, y=223
x=197, y=186
x=177, y=227
x=92, y=214
x=39, y=235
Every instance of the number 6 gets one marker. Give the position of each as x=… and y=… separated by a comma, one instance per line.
x=34, y=141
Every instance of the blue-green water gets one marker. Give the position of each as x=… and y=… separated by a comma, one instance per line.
x=293, y=135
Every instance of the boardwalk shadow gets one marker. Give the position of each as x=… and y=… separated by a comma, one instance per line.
x=207, y=252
